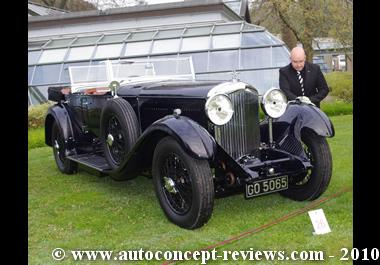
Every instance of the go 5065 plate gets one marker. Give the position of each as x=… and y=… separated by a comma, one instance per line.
x=266, y=186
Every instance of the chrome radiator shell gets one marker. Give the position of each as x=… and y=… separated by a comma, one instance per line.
x=241, y=135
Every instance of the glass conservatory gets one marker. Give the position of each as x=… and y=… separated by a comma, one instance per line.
x=219, y=51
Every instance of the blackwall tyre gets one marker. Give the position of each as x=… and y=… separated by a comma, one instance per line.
x=313, y=184
x=183, y=185
x=119, y=130
x=64, y=165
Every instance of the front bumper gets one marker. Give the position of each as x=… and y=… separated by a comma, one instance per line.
x=232, y=176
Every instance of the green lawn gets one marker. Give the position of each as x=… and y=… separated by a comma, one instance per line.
x=84, y=211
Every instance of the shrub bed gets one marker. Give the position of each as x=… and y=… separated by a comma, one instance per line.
x=340, y=84
x=36, y=115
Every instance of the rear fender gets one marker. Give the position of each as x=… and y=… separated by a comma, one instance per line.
x=60, y=115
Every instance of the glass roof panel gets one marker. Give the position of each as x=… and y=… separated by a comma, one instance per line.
x=113, y=38
x=80, y=53
x=46, y=74
x=33, y=56
x=59, y=43
x=86, y=40
x=163, y=46
x=234, y=5
x=169, y=33
x=197, y=31
x=30, y=73
x=274, y=38
x=108, y=51
x=36, y=44
x=226, y=41
x=195, y=43
x=137, y=48
x=262, y=80
x=251, y=27
x=227, y=28
x=136, y=36
x=52, y=56
x=224, y=60
x=252, y=39
x=256, y=58
x=280, y=56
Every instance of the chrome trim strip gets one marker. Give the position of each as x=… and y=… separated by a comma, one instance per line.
x=226, y=88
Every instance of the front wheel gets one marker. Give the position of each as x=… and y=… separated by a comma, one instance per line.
x=310, y=185
x=183, y=185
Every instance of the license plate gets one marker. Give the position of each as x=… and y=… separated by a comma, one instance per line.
x=266, y=186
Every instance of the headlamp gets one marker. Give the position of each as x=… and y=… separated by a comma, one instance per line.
x=219, y=109
x=274, y=103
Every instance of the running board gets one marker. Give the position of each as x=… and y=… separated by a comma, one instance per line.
x=92, y=160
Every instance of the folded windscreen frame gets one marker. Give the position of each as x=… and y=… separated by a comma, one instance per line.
x=130, y=72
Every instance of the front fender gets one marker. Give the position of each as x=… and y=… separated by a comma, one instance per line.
x=60, y=115
x=298, y=117
x=193, y=138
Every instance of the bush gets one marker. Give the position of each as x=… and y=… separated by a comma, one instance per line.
x=36, y=115
x=340, y=84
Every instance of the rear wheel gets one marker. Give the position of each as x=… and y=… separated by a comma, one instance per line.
x=119, y=130
x=311, y=184
x=64, y=165
x=183, y=185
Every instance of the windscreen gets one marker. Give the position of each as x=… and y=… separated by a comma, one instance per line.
x=128, y=71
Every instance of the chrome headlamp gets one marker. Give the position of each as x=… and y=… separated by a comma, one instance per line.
x=219, y=109
x=274, y=103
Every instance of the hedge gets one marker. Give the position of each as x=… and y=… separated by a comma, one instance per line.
x=341, y=85
x=36, y=115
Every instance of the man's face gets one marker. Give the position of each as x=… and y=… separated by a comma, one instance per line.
x=298, y=62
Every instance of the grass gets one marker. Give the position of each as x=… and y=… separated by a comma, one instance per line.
x=36, y=138
x=84, y=211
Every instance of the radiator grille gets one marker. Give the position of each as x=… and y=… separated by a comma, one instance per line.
x=241, y=135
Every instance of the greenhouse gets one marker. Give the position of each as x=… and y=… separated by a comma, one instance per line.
x=219, y=51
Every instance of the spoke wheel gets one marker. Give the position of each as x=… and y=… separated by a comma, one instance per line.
x=176, y=184
x=313, y=183
x=64, y=165
x=116, y=140
x=119, y=131
x=183, y=185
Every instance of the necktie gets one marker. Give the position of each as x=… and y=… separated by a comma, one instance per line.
x=300, y=79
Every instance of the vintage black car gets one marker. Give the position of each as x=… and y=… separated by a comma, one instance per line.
x=198, y=139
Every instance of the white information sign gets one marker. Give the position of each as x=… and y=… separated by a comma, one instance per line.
x=319, y=222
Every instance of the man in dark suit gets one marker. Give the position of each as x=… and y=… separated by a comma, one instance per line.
x=303, y=80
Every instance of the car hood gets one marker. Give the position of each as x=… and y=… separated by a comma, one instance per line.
x=172, y=88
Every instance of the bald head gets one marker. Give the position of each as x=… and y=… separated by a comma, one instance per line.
x=298, y=58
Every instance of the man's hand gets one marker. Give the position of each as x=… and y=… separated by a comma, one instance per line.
x=305, y=100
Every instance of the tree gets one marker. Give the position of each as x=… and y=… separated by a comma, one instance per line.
x=304, y=20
